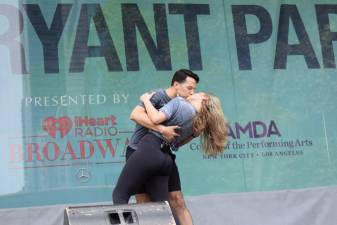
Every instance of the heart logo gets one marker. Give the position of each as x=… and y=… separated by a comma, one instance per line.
x=52, y=125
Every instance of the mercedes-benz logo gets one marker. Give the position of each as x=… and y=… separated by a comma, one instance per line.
x=83, y=175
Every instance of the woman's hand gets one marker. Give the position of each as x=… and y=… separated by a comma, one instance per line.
x=154, y=115
x=146, y=96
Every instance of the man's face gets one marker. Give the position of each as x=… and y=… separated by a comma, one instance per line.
x=186, y=88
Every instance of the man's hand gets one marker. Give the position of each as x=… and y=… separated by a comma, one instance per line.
x=169, y=132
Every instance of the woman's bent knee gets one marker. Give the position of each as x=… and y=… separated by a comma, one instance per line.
x=119, y=198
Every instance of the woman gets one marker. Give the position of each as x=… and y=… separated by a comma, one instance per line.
x=200, y=114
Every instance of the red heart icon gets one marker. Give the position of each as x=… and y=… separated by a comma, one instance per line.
x=62, y=124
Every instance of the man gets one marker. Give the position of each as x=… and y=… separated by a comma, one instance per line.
x=183, y=84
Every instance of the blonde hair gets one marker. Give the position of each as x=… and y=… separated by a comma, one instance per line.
x=212, y=126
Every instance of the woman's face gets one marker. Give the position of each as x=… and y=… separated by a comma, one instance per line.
x=200, y=96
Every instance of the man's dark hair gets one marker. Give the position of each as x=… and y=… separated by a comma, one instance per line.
x=181, y=75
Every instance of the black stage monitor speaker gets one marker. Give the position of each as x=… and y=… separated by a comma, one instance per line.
x=158, y=213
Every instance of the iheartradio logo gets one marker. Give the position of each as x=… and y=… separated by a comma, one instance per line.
x=53, y=125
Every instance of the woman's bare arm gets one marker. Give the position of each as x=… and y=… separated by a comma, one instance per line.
x=154, y=115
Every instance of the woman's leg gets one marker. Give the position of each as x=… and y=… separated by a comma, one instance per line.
x=157, y=188
x=148, y=161
x=132, y=177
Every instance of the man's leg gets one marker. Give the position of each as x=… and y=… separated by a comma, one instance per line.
x=179, y=208
x=176, y=198
x=142, y=198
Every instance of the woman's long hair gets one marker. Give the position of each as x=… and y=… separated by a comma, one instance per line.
x=212, y=126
